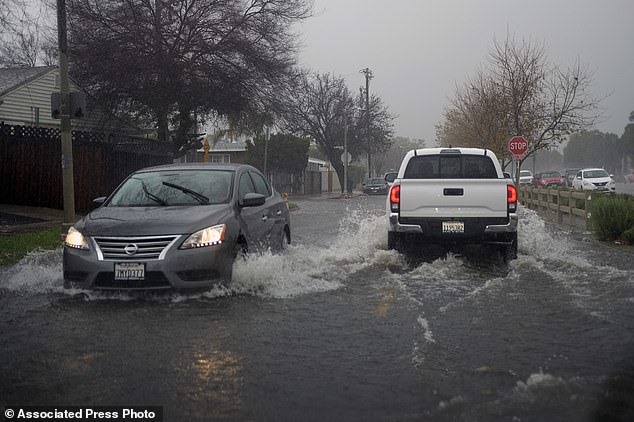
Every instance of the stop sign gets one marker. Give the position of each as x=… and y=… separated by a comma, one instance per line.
x=518, y=146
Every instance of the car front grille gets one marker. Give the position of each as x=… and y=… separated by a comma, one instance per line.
x=599, y=184
x=140, y=248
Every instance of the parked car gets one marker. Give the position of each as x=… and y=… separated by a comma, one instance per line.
x=594, y=179
x=569, y=175
x=547, y=179
x=175, y=227
x=526, y=177
x=376, y=186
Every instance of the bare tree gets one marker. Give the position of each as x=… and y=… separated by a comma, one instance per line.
x=520, y=93
x=374, y=129
x=322, y=108
x=169, y=62
x=26, y=36
x=7, y=13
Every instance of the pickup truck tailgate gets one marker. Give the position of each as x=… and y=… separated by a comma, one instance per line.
x=453, y=198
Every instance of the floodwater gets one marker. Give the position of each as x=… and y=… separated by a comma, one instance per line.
x=340, y=328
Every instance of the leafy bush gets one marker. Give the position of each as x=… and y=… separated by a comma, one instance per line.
x=628, y=236
x=613, y=217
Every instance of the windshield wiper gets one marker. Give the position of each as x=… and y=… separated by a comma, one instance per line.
x=202, y=199
x=151, y=195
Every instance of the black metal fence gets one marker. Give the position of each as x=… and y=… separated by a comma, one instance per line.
x=31, y=172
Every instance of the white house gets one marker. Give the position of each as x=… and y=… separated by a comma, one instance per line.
x=25, y=99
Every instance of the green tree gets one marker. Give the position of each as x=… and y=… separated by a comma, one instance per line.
x=627, y=139
x=593, y=149
x=393, y=156
x=284, y=153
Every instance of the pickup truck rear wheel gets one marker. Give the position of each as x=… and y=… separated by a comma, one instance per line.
x=394, y=241
x=509, y=252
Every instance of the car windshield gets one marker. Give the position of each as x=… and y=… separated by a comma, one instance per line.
x=174, y=187
x=376, y=182
x=592, y=174
x=551, y=174
x=525, y=173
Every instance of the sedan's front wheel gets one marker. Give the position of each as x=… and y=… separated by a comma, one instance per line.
x=285, y=240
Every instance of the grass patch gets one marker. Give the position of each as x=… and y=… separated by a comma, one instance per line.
x=14, y=247
x=613, y=217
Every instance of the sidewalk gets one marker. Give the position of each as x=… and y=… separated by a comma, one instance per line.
x=20, y=219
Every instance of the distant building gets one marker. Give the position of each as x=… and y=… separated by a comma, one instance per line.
x=226, y=151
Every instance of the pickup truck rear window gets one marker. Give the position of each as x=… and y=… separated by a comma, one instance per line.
x=454, y=166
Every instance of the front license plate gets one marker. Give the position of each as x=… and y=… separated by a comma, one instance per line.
x=129, y=271
x=452, y=227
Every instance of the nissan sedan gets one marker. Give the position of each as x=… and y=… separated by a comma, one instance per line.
x=596, y=179
x=175, y=227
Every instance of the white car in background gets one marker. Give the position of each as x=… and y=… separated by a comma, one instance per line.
x=526, y=177
x=594, y=179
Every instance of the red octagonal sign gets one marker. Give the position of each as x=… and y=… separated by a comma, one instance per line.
x=518, y=146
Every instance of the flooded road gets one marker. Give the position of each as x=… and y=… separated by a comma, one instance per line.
x=340, y=328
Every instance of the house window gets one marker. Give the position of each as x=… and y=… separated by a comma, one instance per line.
x=220, y=158
x=35, y=116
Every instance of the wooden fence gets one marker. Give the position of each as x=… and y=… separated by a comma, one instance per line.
x=567, y=206
x=31, y=173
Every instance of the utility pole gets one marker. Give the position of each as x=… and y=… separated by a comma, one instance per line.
x=67, y=142
x=345, y=157
x=266, y=150
x=368, y=75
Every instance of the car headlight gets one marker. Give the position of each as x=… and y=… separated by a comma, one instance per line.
x=209, y=236
x=74, y=239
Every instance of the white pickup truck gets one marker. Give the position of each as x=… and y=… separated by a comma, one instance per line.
x=452, y=197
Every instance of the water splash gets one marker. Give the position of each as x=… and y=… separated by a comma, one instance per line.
x=303, y=269
x=361, y=244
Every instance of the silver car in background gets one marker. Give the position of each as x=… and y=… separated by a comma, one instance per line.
x=175, y=227
x=596, y=179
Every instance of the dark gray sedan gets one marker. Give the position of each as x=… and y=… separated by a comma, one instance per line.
x=175, y=227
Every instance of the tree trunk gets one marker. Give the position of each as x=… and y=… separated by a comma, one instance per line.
x=338, y=165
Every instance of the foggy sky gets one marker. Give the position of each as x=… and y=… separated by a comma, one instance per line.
x=421, y=50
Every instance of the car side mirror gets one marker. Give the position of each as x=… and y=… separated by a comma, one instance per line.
x=97, y=202
x=507, y=175
x=252, y=200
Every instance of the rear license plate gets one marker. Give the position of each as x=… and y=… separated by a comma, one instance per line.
x=129, y=271
x=452, y=227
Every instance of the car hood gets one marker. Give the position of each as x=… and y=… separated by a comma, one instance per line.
x=145, y=221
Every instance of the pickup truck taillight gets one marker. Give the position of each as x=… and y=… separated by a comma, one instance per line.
x=511, y=198
x=395, y=198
